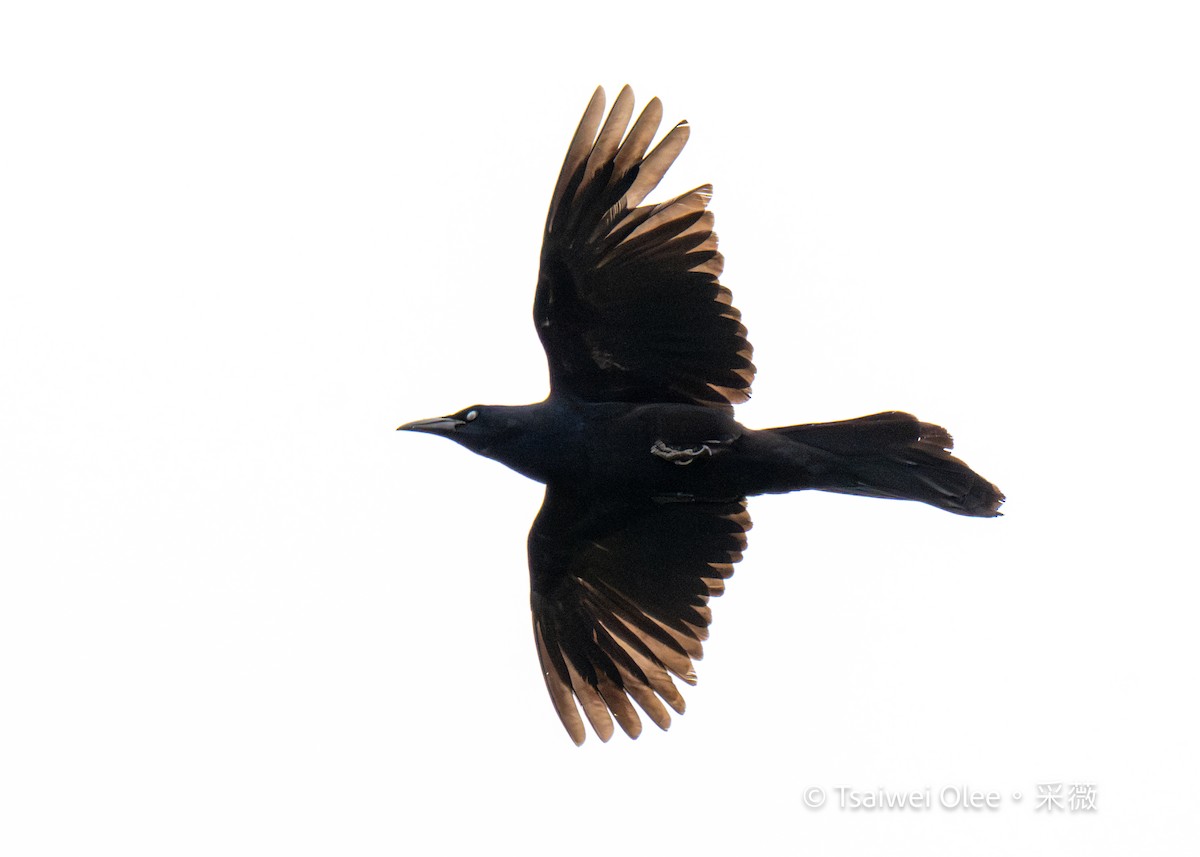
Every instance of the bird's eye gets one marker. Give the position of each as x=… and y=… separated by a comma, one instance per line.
x=471, y=415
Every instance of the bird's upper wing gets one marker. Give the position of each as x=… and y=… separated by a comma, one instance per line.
x=628, y=306
x=620, y=596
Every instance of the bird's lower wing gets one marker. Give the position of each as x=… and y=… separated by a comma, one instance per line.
x=620, y=593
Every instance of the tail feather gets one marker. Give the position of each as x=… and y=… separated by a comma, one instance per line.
x=895, y=455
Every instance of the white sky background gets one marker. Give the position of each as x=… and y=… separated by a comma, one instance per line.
x=239, y=614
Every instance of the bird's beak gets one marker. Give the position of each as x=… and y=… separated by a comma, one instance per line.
x=437, y=425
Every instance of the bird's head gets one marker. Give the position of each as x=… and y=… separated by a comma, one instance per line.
x=477, y=428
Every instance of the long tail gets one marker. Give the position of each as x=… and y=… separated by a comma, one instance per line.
x=896, y=455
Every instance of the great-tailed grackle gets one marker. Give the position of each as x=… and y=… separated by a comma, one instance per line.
x=646, y=470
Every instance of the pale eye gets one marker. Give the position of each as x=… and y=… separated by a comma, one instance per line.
x=472, y=415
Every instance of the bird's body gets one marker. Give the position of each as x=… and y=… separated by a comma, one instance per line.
x=607, y=446
x=646, y=469
x=688, y=453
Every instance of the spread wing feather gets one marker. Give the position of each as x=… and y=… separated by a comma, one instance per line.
x=620, y=594
x=628, y=304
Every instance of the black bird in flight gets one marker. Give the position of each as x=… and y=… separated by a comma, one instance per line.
x=646, y=470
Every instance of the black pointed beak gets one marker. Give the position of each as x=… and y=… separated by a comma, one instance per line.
x=437, y=425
